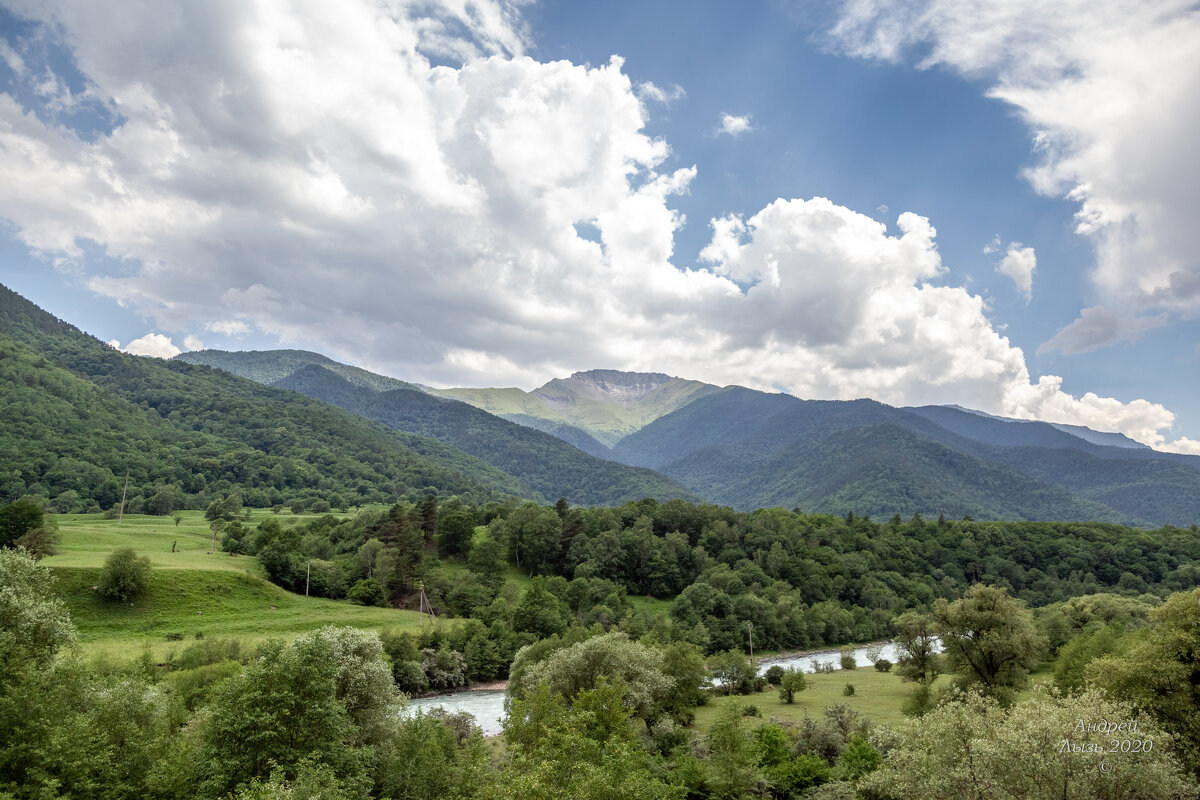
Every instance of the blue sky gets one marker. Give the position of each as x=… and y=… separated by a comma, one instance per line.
x=476, y=195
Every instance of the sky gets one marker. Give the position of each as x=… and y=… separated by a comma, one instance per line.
x=939, y=201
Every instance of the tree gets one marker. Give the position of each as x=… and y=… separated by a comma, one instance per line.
x=455, y=529
x=581, y=666
x=298, y=703
x=579, y=751
x=225, y=508
x=684, y=664
x=41, y=542
x=125, y=575
x=989, y=639
x=534, y=536
x=1036, y=750
x=732, y=764
x=427, y=758
x=1161, y=672
x=733, y=670
x=790, y=682
x=18, y=518
x=368, y=555
x=34, y=623
x=539, y=611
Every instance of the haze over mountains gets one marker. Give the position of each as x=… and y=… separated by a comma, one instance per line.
x=748, y=449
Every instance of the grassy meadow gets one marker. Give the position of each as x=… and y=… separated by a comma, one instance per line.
x=195, y=592
x=877, y=696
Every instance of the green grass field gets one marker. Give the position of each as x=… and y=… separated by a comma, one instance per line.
x=192, y=590
x=87, y=539
x=877, y=696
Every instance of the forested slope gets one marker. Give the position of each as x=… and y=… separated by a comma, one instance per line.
x=80, y=415
x=545, y=462
x=751, y=449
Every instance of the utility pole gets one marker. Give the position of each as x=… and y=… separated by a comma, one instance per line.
x=750, y=625
x=121, y=512
x=424, y=606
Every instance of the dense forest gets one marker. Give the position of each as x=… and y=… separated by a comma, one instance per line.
x=803, y=580
x=80, y=416
x=603, y=711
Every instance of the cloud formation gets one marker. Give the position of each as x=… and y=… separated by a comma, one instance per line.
x=1111, y=91
x=734, y=125
x=1018, y=264
x=1098, y=327
x=317, y=178
x=154, y=345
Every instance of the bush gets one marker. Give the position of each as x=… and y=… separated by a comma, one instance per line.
x=774, y=674
x=849, y=690
x=368, y=592
x=883, y=665
x=847, y=658
x=125, y=575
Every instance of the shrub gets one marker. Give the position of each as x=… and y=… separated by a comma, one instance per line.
x=774, y=674
x=883, y=665
x=368, y=592
x=125, y=575
x=849, y=690
x=847, y=658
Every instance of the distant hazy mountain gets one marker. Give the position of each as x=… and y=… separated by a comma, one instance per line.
x=269, y=366
x=749, y=449
x=603, y=403
x=549, y=465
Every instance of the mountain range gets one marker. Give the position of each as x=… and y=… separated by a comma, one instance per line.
x=745, y=448
x=291, y=425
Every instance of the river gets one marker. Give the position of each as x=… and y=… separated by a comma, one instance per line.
x=487, y=706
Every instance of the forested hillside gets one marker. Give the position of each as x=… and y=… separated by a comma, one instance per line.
x=80, y=415
x=751, y=449
x=550, y=466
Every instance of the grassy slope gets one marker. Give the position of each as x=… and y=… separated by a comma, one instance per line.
x=192, y=590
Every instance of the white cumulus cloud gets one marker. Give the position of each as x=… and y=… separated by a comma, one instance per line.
x=154, y=345
x=325, y=183
x=1111, y=92
x=735, y=125
x=1018, y=264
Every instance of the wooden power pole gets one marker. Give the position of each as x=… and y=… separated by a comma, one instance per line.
x=121, y=511
x=750, y=625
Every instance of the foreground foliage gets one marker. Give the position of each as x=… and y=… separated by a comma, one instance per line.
x=1045, y=748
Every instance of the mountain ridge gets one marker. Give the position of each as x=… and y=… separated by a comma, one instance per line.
x=547, y=464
